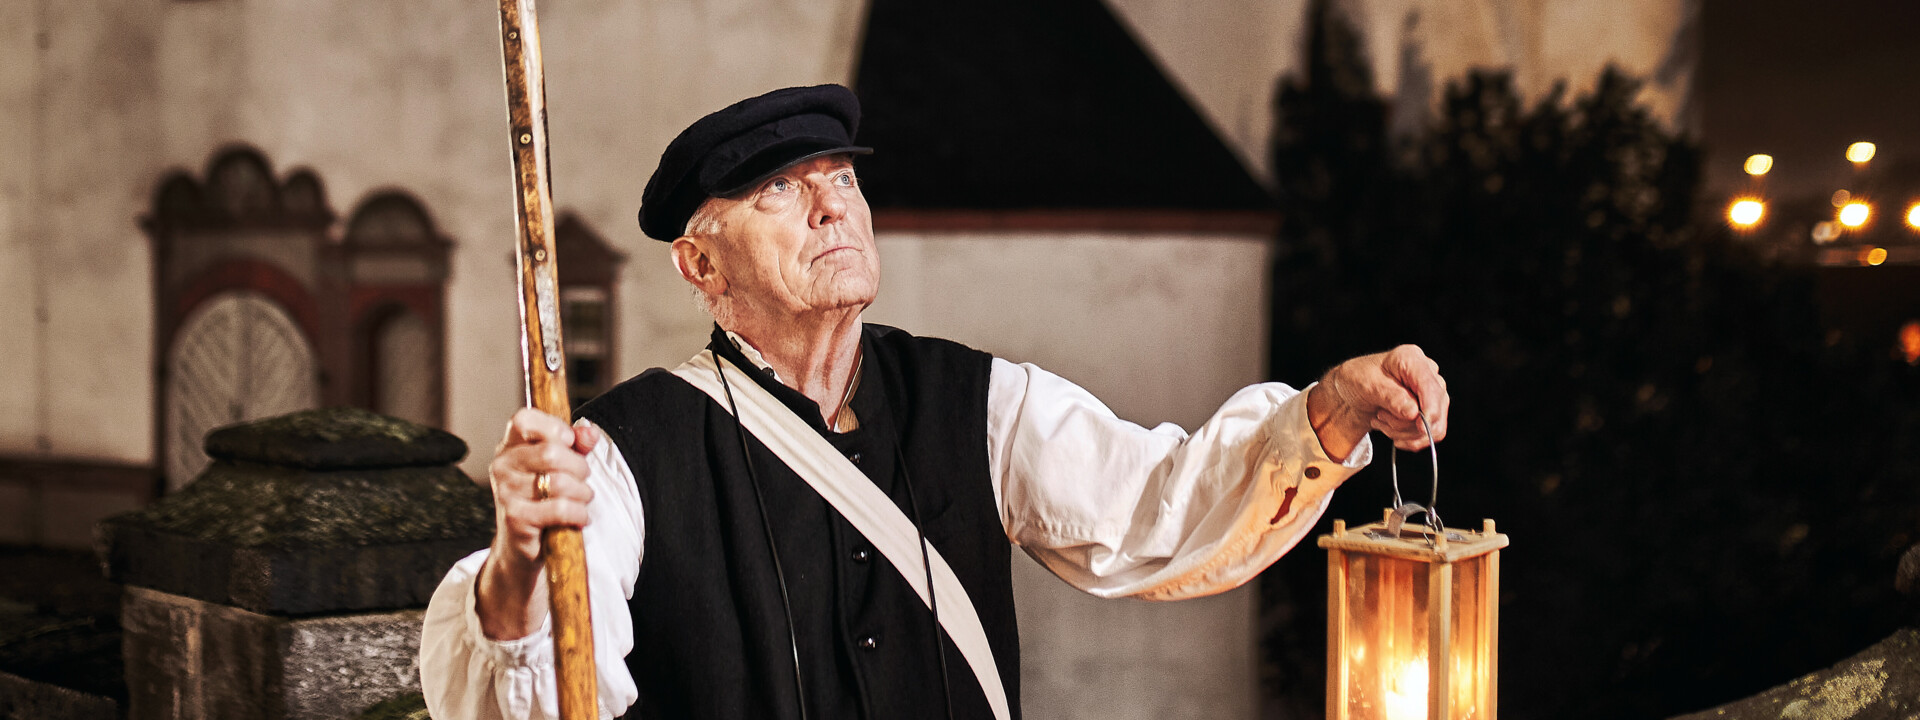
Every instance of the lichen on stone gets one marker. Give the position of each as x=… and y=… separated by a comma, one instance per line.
x=254, y=505
x=1840, y=696
x=411, y=706
x=1879, y=683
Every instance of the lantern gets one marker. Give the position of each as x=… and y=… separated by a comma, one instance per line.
x=1412, y=620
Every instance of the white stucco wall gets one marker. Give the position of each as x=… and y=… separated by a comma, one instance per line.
x=1227, y=55
x=1541, y=42
x=78, y=120
x=20, y=291
x=1163, y=327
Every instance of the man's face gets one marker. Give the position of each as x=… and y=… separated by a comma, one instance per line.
x=801, y=241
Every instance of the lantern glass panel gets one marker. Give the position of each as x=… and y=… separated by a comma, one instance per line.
x=1387, y=634
x=1387, y=658
x=1471, y=651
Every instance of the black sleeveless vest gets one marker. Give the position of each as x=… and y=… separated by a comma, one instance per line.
x=710, y=636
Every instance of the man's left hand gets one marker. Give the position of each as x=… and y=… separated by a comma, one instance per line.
x=1385, y=391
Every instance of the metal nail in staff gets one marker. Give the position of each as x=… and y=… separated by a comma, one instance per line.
x=1413, y=615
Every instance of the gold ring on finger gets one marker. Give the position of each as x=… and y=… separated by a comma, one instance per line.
x=542, y=486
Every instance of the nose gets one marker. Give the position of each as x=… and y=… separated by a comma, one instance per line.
x=828, y=206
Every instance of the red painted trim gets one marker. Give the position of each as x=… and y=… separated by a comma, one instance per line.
x=1221, y=222
x=246, y=274
x=372, y=307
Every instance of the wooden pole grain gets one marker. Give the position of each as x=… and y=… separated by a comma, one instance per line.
x=541, y=352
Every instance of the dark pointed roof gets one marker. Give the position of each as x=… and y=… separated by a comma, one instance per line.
x=1002, y=104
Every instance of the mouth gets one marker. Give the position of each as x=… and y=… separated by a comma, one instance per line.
x=832, y=251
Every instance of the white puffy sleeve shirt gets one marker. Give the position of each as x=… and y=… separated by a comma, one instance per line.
x=1112, y=508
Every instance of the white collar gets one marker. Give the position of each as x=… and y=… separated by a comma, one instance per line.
x=752, y=353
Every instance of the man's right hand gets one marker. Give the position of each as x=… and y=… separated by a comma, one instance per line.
x=510, y=597
x=1386, y=391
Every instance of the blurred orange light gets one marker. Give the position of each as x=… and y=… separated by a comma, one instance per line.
x=1825, y=232
x=1855, y=214
x=1841, y=198
x=1876, y=256
x=1860, y=152
x=1746, y=212
x=1913, y=216
x=1910, y=341
x=1759, y=164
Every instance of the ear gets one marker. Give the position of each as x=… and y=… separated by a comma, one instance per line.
x=695, y=263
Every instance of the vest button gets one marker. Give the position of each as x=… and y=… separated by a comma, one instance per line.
x=855, y=458
x=862, y=555
x=1312, y=472
x=869, y=643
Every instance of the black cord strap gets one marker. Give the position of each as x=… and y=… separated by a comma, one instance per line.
x=926, y=563
x=779, y=573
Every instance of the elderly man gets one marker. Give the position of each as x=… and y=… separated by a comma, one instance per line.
x=744, y=514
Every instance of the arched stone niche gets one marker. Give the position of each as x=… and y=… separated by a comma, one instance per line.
x=395, y=266
x=264, y=301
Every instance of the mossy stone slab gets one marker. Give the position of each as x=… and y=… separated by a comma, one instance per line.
x=287, y=537
x=336, y=439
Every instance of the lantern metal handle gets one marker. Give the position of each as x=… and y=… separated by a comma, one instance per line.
x=1402, y=509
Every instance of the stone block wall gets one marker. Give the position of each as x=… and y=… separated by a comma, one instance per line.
x=201, y=660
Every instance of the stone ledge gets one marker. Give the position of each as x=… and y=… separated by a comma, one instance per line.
x=1880, y=683
x=190, y=658
x=283, y=581
x=287, y=541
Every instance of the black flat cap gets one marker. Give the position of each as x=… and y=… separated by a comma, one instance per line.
x=733, y=150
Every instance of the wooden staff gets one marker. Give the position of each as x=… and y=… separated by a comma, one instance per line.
x=541, y=354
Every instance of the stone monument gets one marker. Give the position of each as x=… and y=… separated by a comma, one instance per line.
x=288, y=580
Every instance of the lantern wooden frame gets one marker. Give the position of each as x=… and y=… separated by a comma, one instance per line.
x=1427, y=607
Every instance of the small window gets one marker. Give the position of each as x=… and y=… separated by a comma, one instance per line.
x=586, y=319
x=589, y=272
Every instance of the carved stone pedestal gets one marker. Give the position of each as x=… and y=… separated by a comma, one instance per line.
x=197, y=659
x=287, y=580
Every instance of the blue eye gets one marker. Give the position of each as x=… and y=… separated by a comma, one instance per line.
x=780, y=185
x=844, y=179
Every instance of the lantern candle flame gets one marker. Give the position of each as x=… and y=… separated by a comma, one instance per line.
x=1405, y=691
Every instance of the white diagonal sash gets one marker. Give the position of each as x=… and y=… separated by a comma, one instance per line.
x=874, y=514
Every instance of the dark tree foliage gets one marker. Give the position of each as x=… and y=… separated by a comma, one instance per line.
x=1707, y=491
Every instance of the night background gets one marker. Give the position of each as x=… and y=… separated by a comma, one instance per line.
x=1702, y=439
